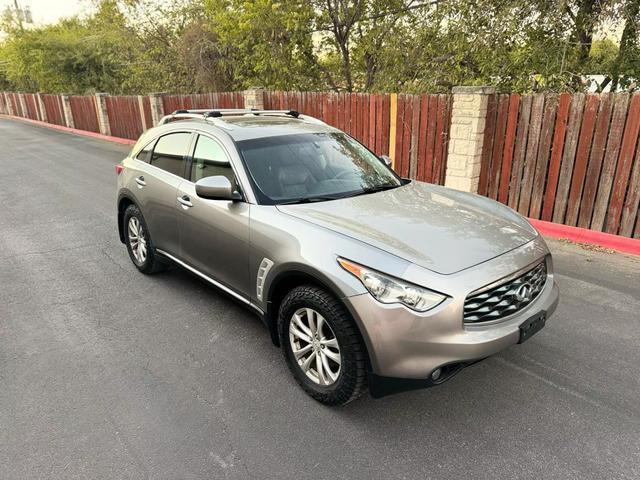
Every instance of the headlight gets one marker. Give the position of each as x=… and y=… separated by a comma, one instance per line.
x=387, y=289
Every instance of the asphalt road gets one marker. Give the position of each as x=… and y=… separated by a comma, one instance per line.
x=107, y=373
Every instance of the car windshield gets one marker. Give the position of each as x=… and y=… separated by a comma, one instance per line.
x=313, y=167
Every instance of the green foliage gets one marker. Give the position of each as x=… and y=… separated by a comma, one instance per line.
x=138, y=46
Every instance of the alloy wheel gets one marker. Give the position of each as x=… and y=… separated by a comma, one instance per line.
x=315, y=346
x=137, y=240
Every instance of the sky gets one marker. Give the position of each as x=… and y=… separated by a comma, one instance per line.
x=49, y=11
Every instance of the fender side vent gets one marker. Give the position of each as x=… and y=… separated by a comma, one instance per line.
x=263, y=271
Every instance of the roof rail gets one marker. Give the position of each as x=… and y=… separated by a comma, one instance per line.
x=208, y=113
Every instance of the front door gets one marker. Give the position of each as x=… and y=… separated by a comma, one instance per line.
x=214, y=234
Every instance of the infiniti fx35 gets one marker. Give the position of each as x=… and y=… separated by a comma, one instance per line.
x=364, y=279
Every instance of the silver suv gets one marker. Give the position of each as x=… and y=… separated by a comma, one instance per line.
x=366, y=280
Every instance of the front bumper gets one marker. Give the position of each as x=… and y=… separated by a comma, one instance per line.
x=407, y=345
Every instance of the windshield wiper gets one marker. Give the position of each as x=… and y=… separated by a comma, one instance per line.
x=308, y=200
x=377, y=188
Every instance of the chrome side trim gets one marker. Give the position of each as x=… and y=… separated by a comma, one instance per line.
x=210, y=280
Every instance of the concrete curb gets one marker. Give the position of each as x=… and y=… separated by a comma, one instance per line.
x=549, y=229
x=84, y=133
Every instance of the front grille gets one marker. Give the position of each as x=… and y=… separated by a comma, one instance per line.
x=507, y=298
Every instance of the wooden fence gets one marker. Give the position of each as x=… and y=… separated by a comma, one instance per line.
x=419, y=125
x=568, y=158
x=84, y=112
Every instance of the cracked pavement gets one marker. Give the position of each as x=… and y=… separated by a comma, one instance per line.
x=107, y=373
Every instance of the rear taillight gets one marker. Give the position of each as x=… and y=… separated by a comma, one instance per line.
x=119, y=168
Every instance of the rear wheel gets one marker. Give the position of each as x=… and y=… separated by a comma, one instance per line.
x=322, y=346
x=139, y=243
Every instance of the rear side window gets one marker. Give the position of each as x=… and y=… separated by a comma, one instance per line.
x=170, y=152
x=209, y=159
x=144, y=155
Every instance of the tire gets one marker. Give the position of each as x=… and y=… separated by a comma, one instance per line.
x=149, y=262
x=350, y=380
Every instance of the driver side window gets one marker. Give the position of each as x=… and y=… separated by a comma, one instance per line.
x=209, y=159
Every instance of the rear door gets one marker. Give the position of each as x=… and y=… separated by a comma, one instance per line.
x=214, y=234
x=157, y=184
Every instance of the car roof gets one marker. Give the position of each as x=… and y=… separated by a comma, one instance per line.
x=248, y=126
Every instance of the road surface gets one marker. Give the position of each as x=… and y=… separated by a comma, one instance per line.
x=107, y=373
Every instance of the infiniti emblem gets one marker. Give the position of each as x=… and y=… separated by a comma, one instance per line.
x=523, y=293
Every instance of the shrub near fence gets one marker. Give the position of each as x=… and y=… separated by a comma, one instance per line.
x=568, y=158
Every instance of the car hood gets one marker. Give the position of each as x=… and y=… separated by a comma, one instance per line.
x=438, y=228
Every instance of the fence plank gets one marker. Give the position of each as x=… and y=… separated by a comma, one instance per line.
x=621, y=179
x=422, y=146
x=441, y=140
x=509, y=143
x=562, y=117
x=415, y=130
x=399, y=134
x=544, y=150
x=582, y=156
x=519, y=151
x=487, y=144
x=592, y=176
x=568, y=156
x=620, y=109
x=533, y=140
x=630, y=208
x=498, y=146
x=406, y=137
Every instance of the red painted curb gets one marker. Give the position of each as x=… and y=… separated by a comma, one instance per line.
x=75, y=131
x=583, y=235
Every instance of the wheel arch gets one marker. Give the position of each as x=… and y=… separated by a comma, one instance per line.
x=285, y=280
x=123, y=202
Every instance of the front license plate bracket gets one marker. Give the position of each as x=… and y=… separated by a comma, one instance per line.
x=532, y=326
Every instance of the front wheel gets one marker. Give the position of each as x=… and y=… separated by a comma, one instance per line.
x=322, y=346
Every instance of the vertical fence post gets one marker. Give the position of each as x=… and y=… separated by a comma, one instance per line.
x=143, y=118
x=23, y=105
x=468, y=118
x=10, y=105
x=101, y=112
x=393, y=113
x=43, y=111
x=4, y=104
x=254, y=98
x=157, y=107
x=66, y=110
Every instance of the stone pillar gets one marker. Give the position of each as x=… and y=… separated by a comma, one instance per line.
x=468, y=118
x=157, y=108
x=143, y=119
x=101, y=111
x=43, y=111
x=66, y=110
x=254, y=98
x=23, y=105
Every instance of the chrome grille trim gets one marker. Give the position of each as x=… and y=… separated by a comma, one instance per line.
x=505, y=299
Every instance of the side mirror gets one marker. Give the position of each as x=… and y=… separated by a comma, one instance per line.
x=217, y=187
x=386, y=160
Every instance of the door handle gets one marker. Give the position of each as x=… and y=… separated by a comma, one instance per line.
x=185, y=201
x=140, y=181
